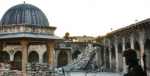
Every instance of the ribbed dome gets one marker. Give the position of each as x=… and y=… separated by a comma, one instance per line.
x=24, y=14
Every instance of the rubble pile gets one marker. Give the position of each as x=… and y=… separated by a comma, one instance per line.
x=34, y=68
x=15, y=64
x=5, y=69
x=82, y=59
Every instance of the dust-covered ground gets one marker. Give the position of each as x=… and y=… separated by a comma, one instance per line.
x=94, y=74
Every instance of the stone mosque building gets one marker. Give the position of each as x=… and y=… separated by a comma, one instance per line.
x=135, y=36
x=29, y=21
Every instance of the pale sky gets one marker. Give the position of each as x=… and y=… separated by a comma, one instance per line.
x=87, y=17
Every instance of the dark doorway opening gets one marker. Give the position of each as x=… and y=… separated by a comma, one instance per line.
x=107, y=58
x=18, y=56
x=62, y=59
x=5, y=56
x=33, y=57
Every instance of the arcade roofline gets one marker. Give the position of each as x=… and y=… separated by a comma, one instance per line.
x=138, y=26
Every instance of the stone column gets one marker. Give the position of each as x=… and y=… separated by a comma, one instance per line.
x=28, y=51
x=104, y=57
x=123, y=48
x=109, y=49
x=50, y=57
x=1, y=49
x=24, y=56
x=116, y=50
x=11, y=57
x=41, y=53
x=141, y=41
x=41, y=57
x=132, y=41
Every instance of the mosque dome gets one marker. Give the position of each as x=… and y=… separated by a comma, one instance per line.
x=24, y=14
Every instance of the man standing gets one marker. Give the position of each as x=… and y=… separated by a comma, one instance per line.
x=131, y=60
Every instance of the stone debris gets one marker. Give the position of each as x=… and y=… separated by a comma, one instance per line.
x=5, y=69
x=33, y=68
x=82, y=60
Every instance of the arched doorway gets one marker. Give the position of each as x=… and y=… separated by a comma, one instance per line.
x=76, y=54
x=33, y=57
x=18, y=56
x=62, y=59
x=147, y=52
x=44, y=57
x=137, y=49
x=107, y=58
x=5, y=56
x=113, y=57
x=120, y=58
x=102, y=57
x=127, y=45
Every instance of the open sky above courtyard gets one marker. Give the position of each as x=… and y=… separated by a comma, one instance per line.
x=87, y=17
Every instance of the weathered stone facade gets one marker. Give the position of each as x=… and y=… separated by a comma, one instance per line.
x=135, y=36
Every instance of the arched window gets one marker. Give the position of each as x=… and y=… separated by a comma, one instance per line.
x=33, y=57
x=137, y=49
x=127, y=45
x=18, y=56
x=5, y=56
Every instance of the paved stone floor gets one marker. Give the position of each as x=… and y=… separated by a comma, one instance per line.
x=91, y=74
x=94, y=74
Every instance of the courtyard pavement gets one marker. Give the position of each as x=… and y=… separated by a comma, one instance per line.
x=94, y=74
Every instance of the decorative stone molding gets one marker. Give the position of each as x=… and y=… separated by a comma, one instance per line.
x=7, y=29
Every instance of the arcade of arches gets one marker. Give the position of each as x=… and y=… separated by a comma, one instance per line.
x=33, y=56
x=135, y=36
x=36, y=53
x=112, y=57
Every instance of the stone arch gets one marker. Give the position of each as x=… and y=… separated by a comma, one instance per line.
x=44, y=57
x=76, y=54
x=62, y=58
x=113, y=57
x=18, y=56
x=137, y=49
x=127, y=45
x=147, y=52
x=5, y=56
x=120, y=58
x=33, y=56
x=107, y=58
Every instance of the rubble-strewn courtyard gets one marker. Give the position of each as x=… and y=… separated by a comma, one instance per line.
x=29, y=46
